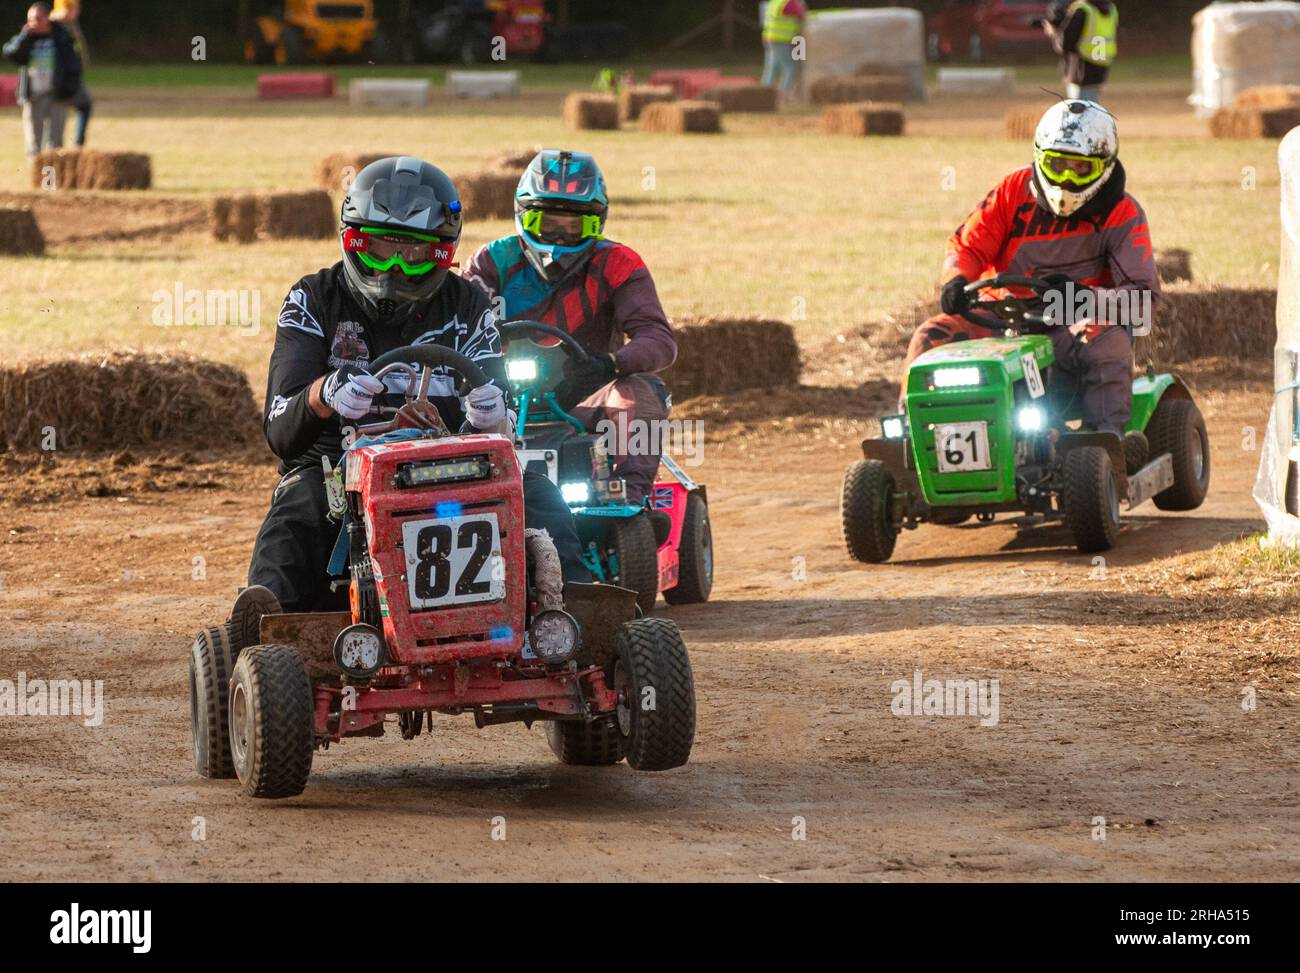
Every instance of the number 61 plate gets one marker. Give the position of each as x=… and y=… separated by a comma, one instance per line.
x=453, y=560
x=962, y=447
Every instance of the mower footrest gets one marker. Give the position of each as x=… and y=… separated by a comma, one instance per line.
x=1156, y=477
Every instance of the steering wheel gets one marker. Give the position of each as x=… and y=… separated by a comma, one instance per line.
x=526, y=329
x=1012, y=312
x=418, y=411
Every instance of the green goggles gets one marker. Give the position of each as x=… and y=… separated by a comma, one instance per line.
x=413, y=253
x=563, y=229
x=1062, y=167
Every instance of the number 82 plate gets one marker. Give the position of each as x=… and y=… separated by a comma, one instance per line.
x=453, y=560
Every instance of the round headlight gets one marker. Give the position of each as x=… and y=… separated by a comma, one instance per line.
x=553, y=636
x=359, y=650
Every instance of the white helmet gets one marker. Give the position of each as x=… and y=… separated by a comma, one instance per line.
x=1075, y=148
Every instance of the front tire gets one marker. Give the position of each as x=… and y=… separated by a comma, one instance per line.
x=271, y=721
x=633, y=546
x=1178, y=428
x=595, y=744
x=1091, y=499
x=865, y=501
x=694, y=556
x=210, y=665
x=656, y=690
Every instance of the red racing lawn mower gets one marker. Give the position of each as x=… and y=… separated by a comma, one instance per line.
x=455, y=608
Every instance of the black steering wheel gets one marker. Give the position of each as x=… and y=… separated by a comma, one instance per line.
x=418, y=410
x=1012, y=313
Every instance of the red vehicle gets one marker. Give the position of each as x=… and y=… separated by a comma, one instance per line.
x=984, y=29
x=455, y=608
x=466, y=30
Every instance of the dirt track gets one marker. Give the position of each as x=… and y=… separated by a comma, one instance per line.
x=1112, y=703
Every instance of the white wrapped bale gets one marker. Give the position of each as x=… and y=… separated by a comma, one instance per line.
x=977, y=82
x=1236, y=46
x=1277, y=486
x=389, y=92
x=843, y=43
x=483, y=84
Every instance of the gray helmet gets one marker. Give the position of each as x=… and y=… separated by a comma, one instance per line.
x=399, y=227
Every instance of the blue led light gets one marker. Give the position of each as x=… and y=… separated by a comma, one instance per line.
x=503, y=634
x=448, y=508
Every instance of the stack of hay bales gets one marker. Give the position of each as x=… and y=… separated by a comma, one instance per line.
x=889, y=43
x=106, y=403
x=1254, y=123
x=838, y=91
x=1020, y=124
x=584, y=111
x=633, y=99
x=742, y=97
x=1237, y=46
x=337, y=170
x=717, y=356
x=702, y=117
x=1174, y=265
x=1210, y=322
x=864, y=118
x=273, y=216
x=90, y=169
x=489, y=194
x=19, y=233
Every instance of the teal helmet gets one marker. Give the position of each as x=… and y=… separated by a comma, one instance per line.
x=560, y=210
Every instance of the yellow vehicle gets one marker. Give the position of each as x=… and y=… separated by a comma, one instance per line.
x=308, y=30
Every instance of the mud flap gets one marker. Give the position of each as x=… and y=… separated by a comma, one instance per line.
x=893, y=453
x=312, y=634
x=599, y=609
x=1155, y=477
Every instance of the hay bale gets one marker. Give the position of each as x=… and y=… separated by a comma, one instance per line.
x=757, y=354
x=1213, y=322
x=1254, y=123
x=488, y=194
x=1174, y=265
x=20, y=235
x=743, y=98
x=516, y=161
x=1020, y=124
x=701, y=117
x=106, y=403
x=843, y=90
x=91, y=169
x=584, y=111
x=1268, y=96
x=633, y=99
x=337, y=170
x=867, y=118
x=273, y=216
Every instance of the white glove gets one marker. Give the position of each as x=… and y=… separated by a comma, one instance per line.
x=350, y=391
x=485, y=408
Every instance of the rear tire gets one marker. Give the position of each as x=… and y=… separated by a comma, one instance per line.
x=656, y=709
x=694, y=556
x=632, y=542
x=1091, y=499
x=594, y=744
x=271, y=721
x=865, y=500
x=1178, y=428
x=210, y=665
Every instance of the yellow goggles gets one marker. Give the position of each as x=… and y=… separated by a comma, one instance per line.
x=1062, y=167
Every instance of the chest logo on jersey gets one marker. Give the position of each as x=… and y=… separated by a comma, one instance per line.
x=349, y=344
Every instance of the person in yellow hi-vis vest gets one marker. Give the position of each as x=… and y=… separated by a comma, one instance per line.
x=781, y=25
x=1083, y=33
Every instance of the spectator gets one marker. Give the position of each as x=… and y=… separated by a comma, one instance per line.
x=68, y=13
x=1083, y=33
x=49, y=76
x=781, y=26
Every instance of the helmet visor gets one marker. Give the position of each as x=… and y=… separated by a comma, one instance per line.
x=559, y=228
x=414, y=254
x=1066, y=169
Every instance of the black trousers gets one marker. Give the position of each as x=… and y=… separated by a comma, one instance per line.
x=293, y=548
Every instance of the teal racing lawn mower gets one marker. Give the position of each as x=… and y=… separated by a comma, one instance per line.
x=622, y=545
x=992, y=427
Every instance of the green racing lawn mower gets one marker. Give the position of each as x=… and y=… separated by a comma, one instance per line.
x=991, y=428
